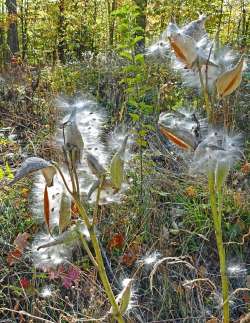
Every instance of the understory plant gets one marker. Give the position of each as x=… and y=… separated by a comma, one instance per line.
x=211, y=68
x=89, y=173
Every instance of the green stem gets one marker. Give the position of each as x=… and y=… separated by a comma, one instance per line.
x=86, y=247
x=216, y=213
x=205, y=93
x=99, y=260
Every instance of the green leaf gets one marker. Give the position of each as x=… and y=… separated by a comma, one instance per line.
x=139, y=58
x=1, y=173
x=8, y=171
x=135, y=117
x=137, y=39
x=127, y=55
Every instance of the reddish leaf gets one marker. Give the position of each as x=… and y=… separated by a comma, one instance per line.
x=128, y=259
x=131, y=254
x=21, y=241
x=245, y=168
x=46, y=207
x=13, y=257
x=24, y=282
x=56, y=273
x=117, y=241
x=71, y=277
x=74, y=209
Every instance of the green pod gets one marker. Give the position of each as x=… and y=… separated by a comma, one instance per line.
x=117, y=166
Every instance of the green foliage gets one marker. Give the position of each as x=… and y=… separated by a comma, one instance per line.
x=6, y=172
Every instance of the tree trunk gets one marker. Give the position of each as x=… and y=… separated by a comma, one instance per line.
x=24, y=27
x=61, y=47
x=12, y=30
x=111, y=7
x=141, y=22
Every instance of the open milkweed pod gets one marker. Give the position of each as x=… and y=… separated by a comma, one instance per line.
x=69, y=237
x=96, y=168
x=196, y=28
x=158, y=49
x=180, y=129
x=117, y=166
x=72, y=135
x=184, y=48
x=182, y=138
x=230, y=80
x=34, y=164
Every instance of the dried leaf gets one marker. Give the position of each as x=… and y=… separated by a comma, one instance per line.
x=245, y=318
x=14, y=256
x=190, y=191
x=64, y=212
x=74, y=208
x=117, y=241
x=212, y=320
x=25, y=193
x=245, y=168
x=46, y=207
x=230, y=80
x=131, y=255
x=21, y=241
x=239, y=199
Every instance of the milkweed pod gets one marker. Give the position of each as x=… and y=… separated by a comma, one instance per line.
x=66, y=237
x=184, y=48
x=181, y=138
x=96, y=168
x=34, y=164
x=230, y=80
x=117, y=170
x=117, y=166
x=125, y=297
x=64, y=212
x=73, y=137
x=49, y=173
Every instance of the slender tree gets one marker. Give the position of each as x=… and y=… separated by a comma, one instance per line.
x=13, y=42
x=61, y=31
x=112, y=5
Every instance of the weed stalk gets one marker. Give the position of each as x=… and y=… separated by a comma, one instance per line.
x=216, y=203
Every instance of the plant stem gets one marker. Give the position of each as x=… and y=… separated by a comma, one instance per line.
x=205, y=93
x=216, y=213
x=99, y=261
